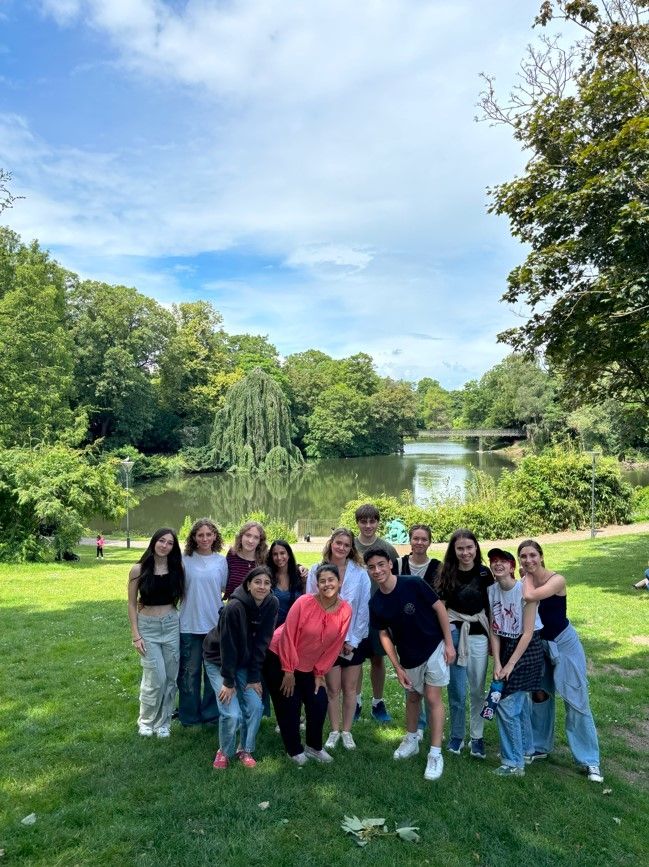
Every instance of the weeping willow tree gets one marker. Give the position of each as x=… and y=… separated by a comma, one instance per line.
x=252, y=432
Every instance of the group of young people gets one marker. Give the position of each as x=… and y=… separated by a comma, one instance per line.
x=227, y=632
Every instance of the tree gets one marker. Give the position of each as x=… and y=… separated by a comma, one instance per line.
x=119, y=337
x=308, y=374
x=35, y=347
x=582, y=204
x=338, y=424
x=392, y=416
x=435, y=408
x=252, y=432
x=6, y=196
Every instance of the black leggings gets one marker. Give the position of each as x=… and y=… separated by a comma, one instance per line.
x=287, y=710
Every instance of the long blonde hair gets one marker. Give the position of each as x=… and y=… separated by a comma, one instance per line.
x=353, y=555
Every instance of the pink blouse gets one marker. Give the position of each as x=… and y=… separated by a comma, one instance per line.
x=311, y=638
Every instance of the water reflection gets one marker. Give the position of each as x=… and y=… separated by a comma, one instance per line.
x=428, y=468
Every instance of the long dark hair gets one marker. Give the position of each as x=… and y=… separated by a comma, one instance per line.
x=174, y=566
x=294, y=580
x=446, y=578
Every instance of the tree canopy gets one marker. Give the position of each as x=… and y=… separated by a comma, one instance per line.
x=582, y=204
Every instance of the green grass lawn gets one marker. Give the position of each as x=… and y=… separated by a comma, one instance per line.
x=102, y=795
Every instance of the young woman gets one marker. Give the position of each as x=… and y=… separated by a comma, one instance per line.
x=462, y=583
x=301, y=653
x=417, y=562
x=234, y=654
x=287, y=581
x=155, y=587
x=355, y=590
x=564, y=668
x=206, y=573
x=518, y=662
x=249, y=550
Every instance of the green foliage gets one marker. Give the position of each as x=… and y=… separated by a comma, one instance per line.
x=545, y=493
x=640, y=504
x=365, y=830
x=580, y=206
x=275, y=528
x=252, y=432
x=147, y=467
x=47, y=495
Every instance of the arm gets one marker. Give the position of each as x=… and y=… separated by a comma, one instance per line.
x=529, y=617
x=262, y=640
x=359, y=626
x=554, y=586
x=391, y=652
x=494, y=640
x=132, y=588
x=442, y=615
x=311, y=584
x=287, y=648
x=233, y=635
x=332, y=650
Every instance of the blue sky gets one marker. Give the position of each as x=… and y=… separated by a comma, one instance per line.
x=313, y=169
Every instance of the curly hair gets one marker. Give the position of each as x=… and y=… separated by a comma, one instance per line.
x=190, y=543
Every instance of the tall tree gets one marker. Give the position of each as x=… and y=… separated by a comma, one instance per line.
x=582, y=204
x=252, y=432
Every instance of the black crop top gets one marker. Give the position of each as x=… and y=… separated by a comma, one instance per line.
x=552, y=612
x=161, y=590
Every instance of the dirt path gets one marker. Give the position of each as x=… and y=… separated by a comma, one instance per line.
x=316, y=544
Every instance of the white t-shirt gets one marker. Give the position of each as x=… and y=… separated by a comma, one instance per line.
x=205, y=578
x=507, y=610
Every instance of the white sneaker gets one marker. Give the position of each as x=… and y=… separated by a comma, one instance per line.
x=332, y=740
x=277, y=730
x=420, y=735
x=594, y=774
x=300, y=759
x=318, y=755
x=348, y=741
x=145, y=731
x=163, y=732
x=409, y=746
x=434, y=767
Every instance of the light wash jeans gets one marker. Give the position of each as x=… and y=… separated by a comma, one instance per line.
x=581, y=733
x=159, y=668
x=243, y=712
x=192, y=709
x=515, y=729
x=475, y=673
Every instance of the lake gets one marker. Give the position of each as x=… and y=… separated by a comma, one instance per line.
x=316, y=495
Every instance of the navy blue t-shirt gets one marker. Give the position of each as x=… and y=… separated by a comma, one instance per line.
x=408, y=613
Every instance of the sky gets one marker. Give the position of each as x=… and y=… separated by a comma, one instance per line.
x=313, y=169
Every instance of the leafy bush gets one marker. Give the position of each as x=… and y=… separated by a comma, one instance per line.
x=149, y=466
x=275, y=528
x=545, y=493
x=640, y=504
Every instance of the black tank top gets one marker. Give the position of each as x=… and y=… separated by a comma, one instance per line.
x=552, y=612
x=161, y=591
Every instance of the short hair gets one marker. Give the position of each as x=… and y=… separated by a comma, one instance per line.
x=254, y=573
x=367, y=510
x=376, y=551
x=424, y=527
x=326, y=567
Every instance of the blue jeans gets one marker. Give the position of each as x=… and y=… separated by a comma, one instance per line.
x=193, y=710
x=581, y=733
x=242, y=713
x=475, y=673
x=515, y=729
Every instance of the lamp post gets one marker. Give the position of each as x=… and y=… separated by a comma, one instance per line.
x=127, y=466
x=593, y=531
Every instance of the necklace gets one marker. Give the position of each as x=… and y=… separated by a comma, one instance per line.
x=329, y=607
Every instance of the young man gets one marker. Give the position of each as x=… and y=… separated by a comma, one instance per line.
x=416, y=635
x=367, y=520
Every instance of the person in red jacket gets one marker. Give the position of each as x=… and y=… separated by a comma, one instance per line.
x=301, y=652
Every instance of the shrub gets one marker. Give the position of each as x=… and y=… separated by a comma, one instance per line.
x=275, y=527
x=640, y=504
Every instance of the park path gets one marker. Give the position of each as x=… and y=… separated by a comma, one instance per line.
x=316, y=544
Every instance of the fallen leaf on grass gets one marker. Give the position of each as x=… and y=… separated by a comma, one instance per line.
x=408, y=834
x=2, y=853
x=29, y=820
x=617, y=821
x=607, y=791
x=264, y=805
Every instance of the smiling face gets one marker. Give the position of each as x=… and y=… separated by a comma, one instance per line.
x=205, y=538
x=465, y=551
x=280, y=557
x=419, y=542
x=164, y=545
x=367, y=528
x=249, y=540
x=380, y=570
x=341, y=547
x=259, y=587
x=502, y=568
x=530, y=559
x=328, y=587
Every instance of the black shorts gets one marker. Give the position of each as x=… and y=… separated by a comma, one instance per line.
x=358, y=657
x=372, y=645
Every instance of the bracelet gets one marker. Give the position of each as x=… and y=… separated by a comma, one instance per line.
x=135, y=640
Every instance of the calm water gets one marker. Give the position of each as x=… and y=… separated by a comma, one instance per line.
x=426, y=468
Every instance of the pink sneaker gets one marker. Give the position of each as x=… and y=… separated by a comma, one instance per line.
x=246, y=759
x=220, y=761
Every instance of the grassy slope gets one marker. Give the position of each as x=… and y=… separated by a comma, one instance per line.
x=103, y=795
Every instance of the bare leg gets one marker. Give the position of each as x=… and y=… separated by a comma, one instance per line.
x=333, y=681
x=377, y=674
x=349, y=684
x=413, y=703
x=433, y=695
